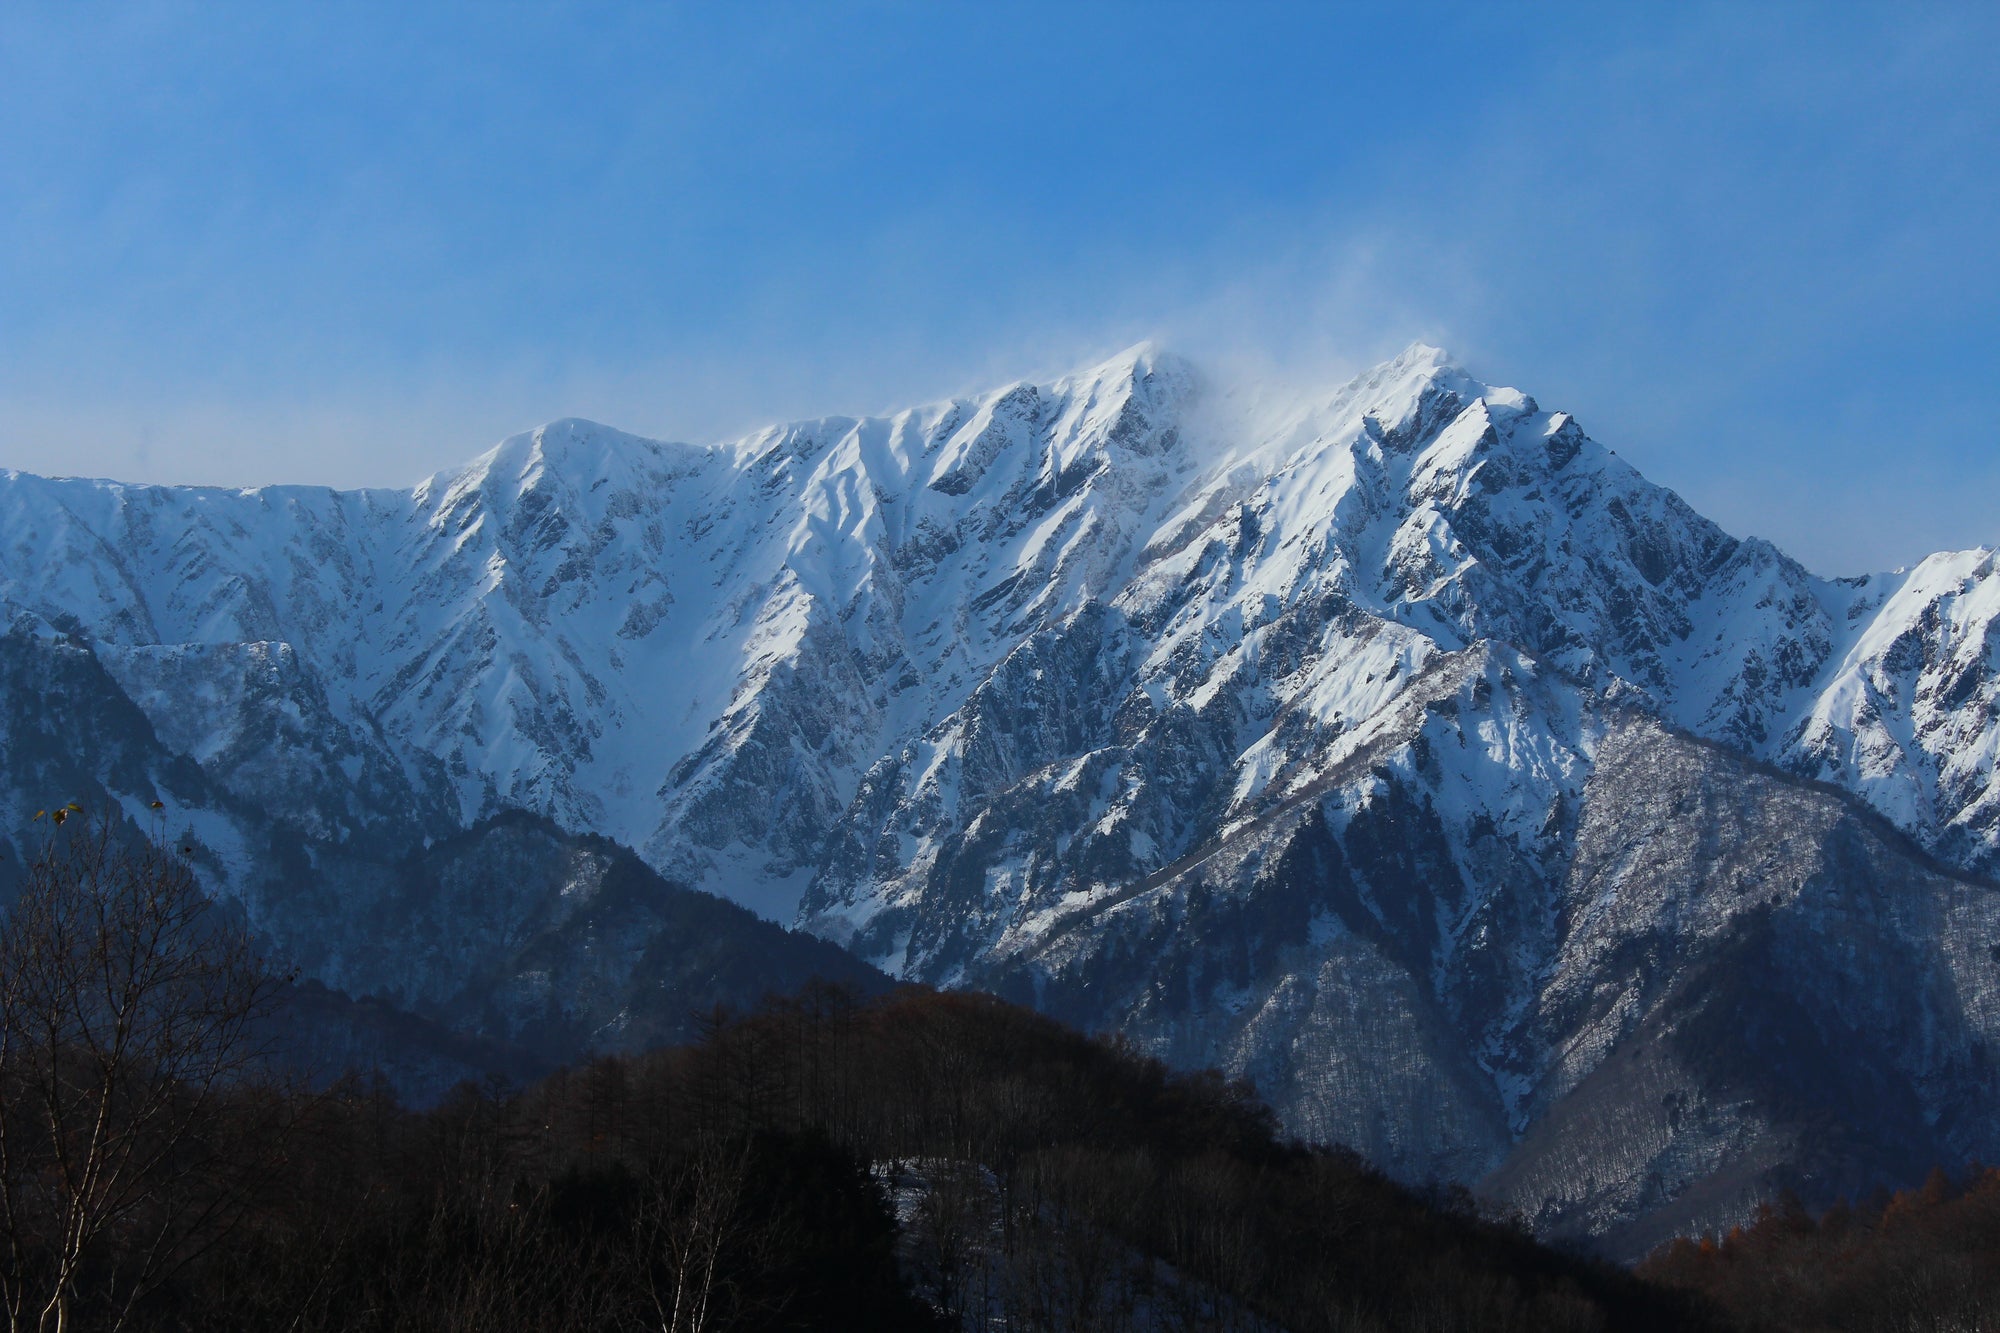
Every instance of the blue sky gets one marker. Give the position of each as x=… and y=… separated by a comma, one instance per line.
x=1752, y=247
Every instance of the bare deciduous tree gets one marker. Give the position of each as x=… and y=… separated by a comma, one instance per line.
x=689, y=1229
x=128, y=1016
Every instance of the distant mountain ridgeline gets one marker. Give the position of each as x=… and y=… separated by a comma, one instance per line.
x=1402, y=750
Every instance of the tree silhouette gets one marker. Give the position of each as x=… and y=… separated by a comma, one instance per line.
x=128, y=1014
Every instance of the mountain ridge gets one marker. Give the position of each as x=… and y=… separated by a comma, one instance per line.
x=983, y=689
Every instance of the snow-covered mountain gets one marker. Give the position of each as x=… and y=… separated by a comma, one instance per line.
x=1310, y=740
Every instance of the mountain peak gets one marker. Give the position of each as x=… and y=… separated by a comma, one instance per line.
x=1135, y=360
x=1421, y=356
x=1422, y=363
x=575, y=448
x=1143, y=363
x=1421, y=379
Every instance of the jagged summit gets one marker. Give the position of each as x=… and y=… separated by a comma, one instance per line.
x=1151, y=377
x=577, y=451
x=1456, y=508
x=1147, y=368
x=1423, y=363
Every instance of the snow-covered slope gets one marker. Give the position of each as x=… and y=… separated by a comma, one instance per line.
x=1048, y=689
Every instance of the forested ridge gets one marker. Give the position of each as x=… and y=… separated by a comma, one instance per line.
x=1926, y=1258
x=917, y=1160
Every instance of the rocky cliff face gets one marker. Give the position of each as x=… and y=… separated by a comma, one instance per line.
x=1403, y=748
